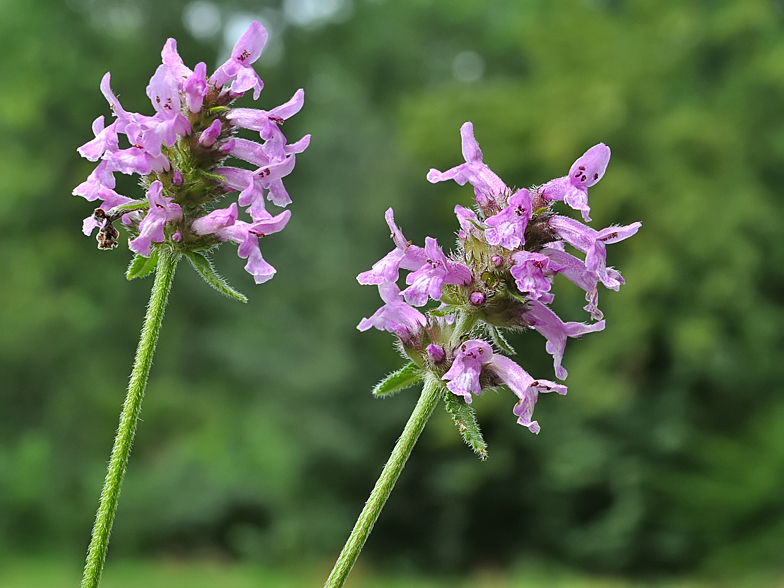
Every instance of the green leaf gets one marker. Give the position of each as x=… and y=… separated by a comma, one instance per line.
x=500, y=340
x=465, y=419
x=142, y=266
x=443, y=311
x=210, y=176
x=202, y=265
x=130, y=206
x=403, y=378
x=518, y=297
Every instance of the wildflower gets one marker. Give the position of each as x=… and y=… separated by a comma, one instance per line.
x=507, y=228
x=593, y=243
x=433, y=274
x=395, y=316
x=486, y=184
x=162, y=210
x=544, y=320
x=404, y=256
x=530, y=271
x=238, y=67
x=509, y=251
x=224, y=225
x=524, y=387
x=181, y=152
x=463, y=376
x=584, y=173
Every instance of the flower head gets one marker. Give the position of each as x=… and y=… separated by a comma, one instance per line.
x=180, y=152
x=510, y=248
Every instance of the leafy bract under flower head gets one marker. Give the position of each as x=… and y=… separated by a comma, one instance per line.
x=509, y=250
x=180, y=152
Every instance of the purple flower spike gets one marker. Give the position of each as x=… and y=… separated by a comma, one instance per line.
x=584, y=173
x=463, y=376
x=246, y=51
x=525, y=388
x=162, y=210
x=175, y=164
x=405, y=255
x=529, y=273
x=556, y=332
x=395, y=316
x=486, y=184
x=510, y=248
x=433, y=274
x=507, y=228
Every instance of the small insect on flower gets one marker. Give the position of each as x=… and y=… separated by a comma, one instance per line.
x=107, y=235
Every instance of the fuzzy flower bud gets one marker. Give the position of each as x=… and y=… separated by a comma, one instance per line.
x=477, y=298
x=436, y=353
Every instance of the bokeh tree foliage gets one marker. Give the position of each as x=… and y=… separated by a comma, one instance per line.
x=259, y=437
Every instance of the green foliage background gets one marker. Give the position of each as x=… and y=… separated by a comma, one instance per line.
x=260, y=439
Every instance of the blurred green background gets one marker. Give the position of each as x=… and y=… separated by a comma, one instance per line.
x=260, y=441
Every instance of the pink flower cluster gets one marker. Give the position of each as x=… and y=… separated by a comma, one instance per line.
x=180, y=154
x=509, y=249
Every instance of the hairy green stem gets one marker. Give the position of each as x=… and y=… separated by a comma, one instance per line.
x=431, y=394
x=167, y=263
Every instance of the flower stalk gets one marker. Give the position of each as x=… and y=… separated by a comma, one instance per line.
x=432, y=392
x=510, y=247
x=167, y=263
x=180, y=154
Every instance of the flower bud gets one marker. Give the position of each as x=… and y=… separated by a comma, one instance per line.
x=436, y=353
